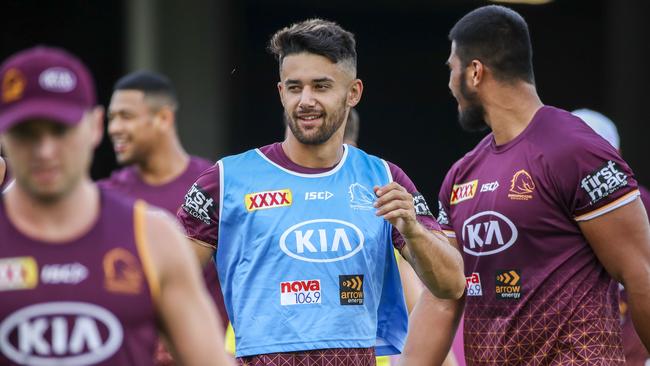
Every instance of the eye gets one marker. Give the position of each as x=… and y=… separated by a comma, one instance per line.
x=293, y=88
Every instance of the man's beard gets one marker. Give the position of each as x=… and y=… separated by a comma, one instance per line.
x=331, y=124
x=471, y=118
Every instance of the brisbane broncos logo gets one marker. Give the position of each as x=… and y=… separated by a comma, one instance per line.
x=521, y=186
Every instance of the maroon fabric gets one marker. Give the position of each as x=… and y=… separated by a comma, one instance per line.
x=537, y=294
x=111, y=319
x=323, y=357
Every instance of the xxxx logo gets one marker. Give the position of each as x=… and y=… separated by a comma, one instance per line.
x=509, y=278
x=462, y=192
x=268, y=199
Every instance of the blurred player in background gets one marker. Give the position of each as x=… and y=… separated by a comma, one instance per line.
x=635, y=353
x=87, y=277
x=546, y=212
x=142, y=126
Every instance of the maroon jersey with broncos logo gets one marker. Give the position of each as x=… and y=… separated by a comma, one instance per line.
x=83, y=302
x=536, y=293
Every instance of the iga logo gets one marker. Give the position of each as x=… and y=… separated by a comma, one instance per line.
x=69, y=273
x=199, y=204
x=267, y=199
x=487, y=233
x=490, y=187
x=463, y=192
x=603, y=181
x=473, y=284
x=322, y=240
x=300, y=292
x=60, y=333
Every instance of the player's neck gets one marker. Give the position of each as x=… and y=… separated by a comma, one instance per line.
x=325, y=155
x=54, y=222
x=165, y=164
x=510, y=109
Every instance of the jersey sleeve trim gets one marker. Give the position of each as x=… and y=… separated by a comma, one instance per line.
x=449, y=233
x=221, y=196
x=202, y=243
x=622, y=201
x=390, y=174
x=139, y=216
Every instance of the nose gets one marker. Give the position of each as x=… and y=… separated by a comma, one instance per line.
x=114, y=125
x=46, y=146
x=307, y=98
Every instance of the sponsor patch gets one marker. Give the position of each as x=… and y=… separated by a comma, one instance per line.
x=443, y=218
x=199, y=204
x=420, y=204
x=267, y=199
x=351, y=289
x=521, y=186
x=19, y=273
x=69, y=273
x=322, y=240
x=488, y=232
x=473, y=284
x=323, y=195
x=508, y=284
x=490, y=187
x=300, y=292
x=361, y=198
x=604, y=181
x=122, y=272
x=13, y=85
x=58, y=80
x=463, y=192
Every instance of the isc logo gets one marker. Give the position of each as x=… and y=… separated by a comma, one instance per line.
x=322, y=240
x=488, y=232
x=60, y=333
x=463, y=192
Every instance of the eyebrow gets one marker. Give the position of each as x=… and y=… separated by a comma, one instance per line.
x=319, y=80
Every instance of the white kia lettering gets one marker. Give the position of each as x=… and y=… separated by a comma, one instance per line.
x=322, y=240
x=485, y=235
x=32, y=323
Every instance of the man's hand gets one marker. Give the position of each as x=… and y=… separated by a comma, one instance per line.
x=395, y=204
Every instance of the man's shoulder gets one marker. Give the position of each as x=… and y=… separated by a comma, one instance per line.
x=120, y=177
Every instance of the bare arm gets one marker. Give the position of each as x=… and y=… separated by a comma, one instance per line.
x=621, y=241
x=202, y=250
x=432, y=326
x=438, y=264
x=187, y=316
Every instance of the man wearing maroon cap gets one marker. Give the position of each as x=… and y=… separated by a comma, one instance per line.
x=80, y=280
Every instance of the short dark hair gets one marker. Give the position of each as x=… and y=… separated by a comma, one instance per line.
x=152, y=84
x=498, y=37
x=317, y=36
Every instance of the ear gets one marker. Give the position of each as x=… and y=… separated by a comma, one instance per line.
x=280, y=90
x=355, y=92
x=476, y=72
x=164, y=118
x=97, y=124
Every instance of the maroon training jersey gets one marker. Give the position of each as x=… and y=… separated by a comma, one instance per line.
x=537, y=294
x=84, y=302
x=200, y=217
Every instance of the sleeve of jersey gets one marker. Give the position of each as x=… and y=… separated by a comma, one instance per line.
x=444, y=197
x=199, y=214
x=422, y=211
x=592, y=178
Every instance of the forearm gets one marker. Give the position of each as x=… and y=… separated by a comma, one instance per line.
x=432, y=326
x=639, y=303
x=438, y=264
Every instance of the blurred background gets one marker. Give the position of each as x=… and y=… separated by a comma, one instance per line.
x=587, y=53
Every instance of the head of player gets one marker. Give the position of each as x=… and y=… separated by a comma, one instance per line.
x=490, y=49
x=49, y=123
x=318, y=80
x=142, y=118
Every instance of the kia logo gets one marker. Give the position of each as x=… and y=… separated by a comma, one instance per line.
x=487, y=233
x=60, y=333
x=322, y=240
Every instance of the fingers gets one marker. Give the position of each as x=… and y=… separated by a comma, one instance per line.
x=394, y=201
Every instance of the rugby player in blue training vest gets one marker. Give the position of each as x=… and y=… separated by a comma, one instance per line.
x=86, y=277
x=303, y=230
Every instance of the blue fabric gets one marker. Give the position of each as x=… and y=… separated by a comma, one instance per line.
x=303, y=260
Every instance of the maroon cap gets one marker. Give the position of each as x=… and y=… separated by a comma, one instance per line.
x=44, y=82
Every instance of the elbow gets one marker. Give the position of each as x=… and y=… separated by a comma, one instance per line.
x=453, y=290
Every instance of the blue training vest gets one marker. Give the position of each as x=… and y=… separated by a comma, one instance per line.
x=303, y=260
